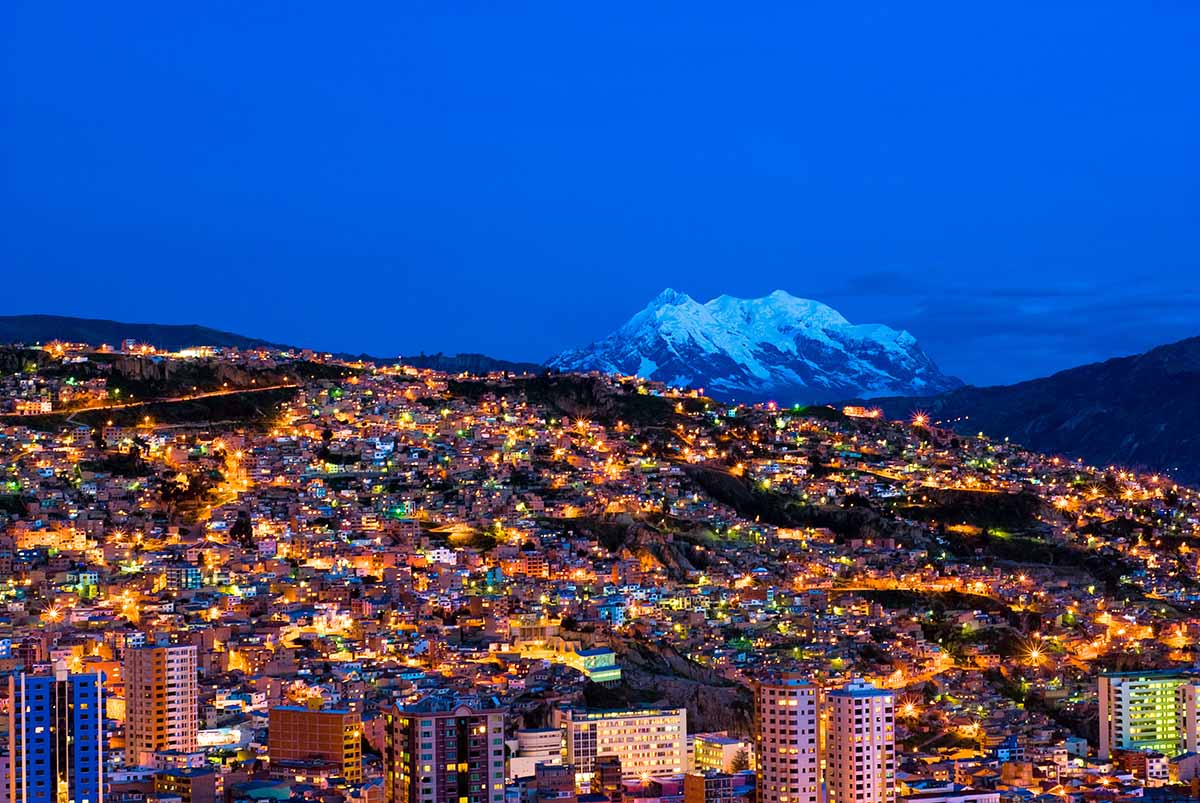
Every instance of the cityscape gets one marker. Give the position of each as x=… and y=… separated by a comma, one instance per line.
x=557, y=402
x=236, y=575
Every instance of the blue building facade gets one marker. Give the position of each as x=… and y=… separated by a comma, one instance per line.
x=56, y=737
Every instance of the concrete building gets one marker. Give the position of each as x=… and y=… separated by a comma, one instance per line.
x=555, y=782
x=1147, y=711
x=860, y=745
x=708, y=787
x=161, y=712
x=190, y=784
x=647, y=742
x=717, y=751
x=298, y=735
x=56, y=738
x=535, y=746
x=607, y=778
x=598, y=665
x=785, y=734
x=443, y=750
x=1149, y=767
x=929, y=791
x=1191, y=715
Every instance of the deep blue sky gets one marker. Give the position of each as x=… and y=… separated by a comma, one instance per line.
x=1016, y=186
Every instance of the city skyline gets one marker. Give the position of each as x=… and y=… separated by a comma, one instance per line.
x=539, y=402
x=227, y=569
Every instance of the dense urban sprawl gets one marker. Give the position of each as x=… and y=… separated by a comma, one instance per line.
x=266, y=575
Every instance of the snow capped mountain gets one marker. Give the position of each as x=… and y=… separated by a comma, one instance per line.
x=780, y=347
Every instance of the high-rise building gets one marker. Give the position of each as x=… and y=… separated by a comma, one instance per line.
x=442, y=750
x=647, y=741
x=160, y=702
x=1191, y=715
x=1148, y=711
x=55, y=727
x=785, y=734
x=860, y=745
x=298, y=735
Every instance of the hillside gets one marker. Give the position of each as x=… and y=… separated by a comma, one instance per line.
x=1138, y=411
x=30, y=329
x=468, y=363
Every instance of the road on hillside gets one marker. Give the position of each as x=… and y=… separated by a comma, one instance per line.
x=166, y=400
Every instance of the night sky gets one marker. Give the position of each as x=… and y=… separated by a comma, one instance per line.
x=1018, y=187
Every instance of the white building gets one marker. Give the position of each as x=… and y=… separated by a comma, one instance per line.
x=785, y=731
x=442, y=555
x=535, y=746
x=648, y=741
x=717, y=751
x=860, y=745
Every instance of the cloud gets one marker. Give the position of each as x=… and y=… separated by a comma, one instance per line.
x=1010, y=331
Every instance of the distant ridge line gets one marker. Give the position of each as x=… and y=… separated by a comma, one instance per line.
x=42, y=328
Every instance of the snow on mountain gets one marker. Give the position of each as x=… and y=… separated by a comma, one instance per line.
x=780, y=347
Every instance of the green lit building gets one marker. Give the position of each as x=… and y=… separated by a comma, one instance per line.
x=599, y=665
x=1148, y=711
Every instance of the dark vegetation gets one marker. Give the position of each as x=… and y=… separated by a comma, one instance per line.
x=16, y=360
x=937, y=601
x=587, y=397
x=1009, y=511
x=1081, y=722
x=12, y=504
x=820, y=412
x=1106, y=568
x=118, y=464
x=677, y=545
x=783, y=510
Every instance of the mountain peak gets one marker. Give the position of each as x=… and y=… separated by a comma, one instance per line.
x=776, y=347
x=670, y=298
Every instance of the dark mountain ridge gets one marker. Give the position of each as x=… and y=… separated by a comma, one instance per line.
x=31, y=329
x=465, y=362
x=1140, y=412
